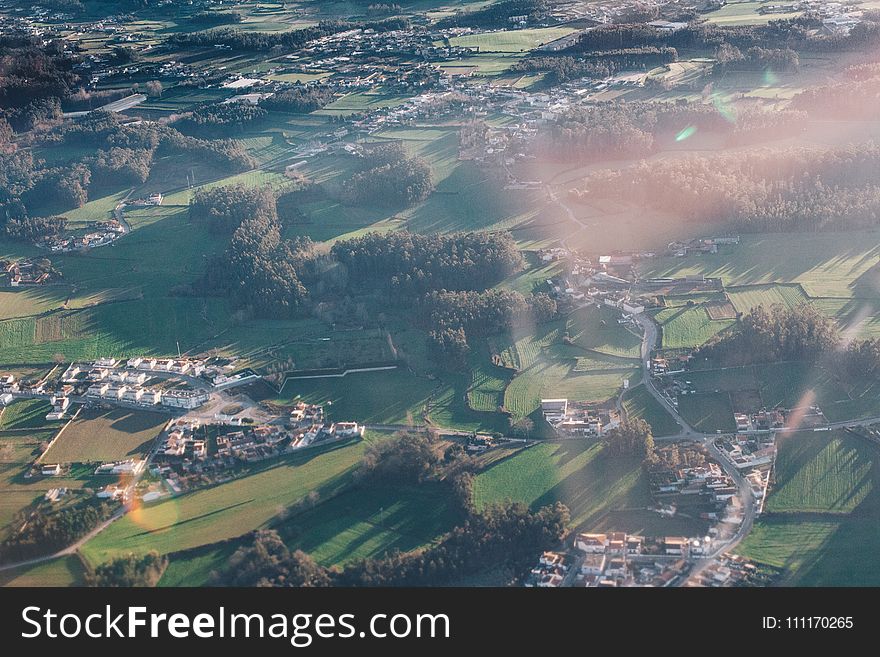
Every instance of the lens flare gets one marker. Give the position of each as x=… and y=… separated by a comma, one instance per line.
x=796, y=418
x=770, y=78
x=156, y=517
x=727, y=112
x=687, y=132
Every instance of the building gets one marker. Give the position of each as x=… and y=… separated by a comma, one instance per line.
x=59, y=407
x=668, y=26
x=677, y=545
x=151, y=396
x=554, y=407
x=132, y=395
x=348, y=429
x=591, y=543
x=97, y=390
x=593, y=564
x=186, y=399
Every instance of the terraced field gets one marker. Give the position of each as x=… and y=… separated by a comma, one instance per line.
x=823, y=512
x=828, y=474
x=688, y=327
x=747, y=297
x=487, y=388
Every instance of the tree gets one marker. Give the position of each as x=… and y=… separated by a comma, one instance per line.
x=408, y=457
x=268, y=562
x=128, y=571
x=154, y=88
x=632, y=437
x=522, y=427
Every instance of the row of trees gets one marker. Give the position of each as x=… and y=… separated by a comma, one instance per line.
x=506, y=535
x=299, y=99
x=799, y=33
x=632, y=437
x=774, y=334
x=220, y=119
x=131, y=570
x=260, y=271
x=564, y=68
x=799, y=333
x=240, y=40
x=755, y=191
x=731, y=58
x=390, y=179
x=45, y=530
x=224, y=209
x=854, y=97
x=497, y=14
x=614, y=130
x=452, y=317
x=32, y=70
x=408, y=265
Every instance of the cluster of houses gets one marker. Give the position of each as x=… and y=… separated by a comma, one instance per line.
x=549, y=572
x=616, y=559
x=28, y=272
x=753, y=455
x=135, y=382
x=98, y=234
x=700, y=245
x=147, y=396
x=729, y=570
x=193, y=452
x=578, y=418
x=12, y=387
x=706, y=482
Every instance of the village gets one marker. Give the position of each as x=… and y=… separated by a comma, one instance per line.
x=209, y=432
x=684, y=482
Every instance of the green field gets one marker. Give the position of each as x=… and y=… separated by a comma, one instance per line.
x=112, y=435
x=799, y=384
x=194, y=568
x=826, y=264
x=598, y=330
x=707, y=412
x=486, y=392
x=822, y=513
x=26, y=414
x=747, y=297
x=554, y=378
x=359, y=523
x=688, y=326
x=231, y=509
x=387, y=397
x=28, y=301
x=745, y=13
x=511, y=41
x=370, y=521
x=63, y=571
x=832, y=473
x=597, y=488
x=18, y=450
x=639, y=403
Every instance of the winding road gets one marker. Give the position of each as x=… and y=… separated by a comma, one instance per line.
x=650, y=336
